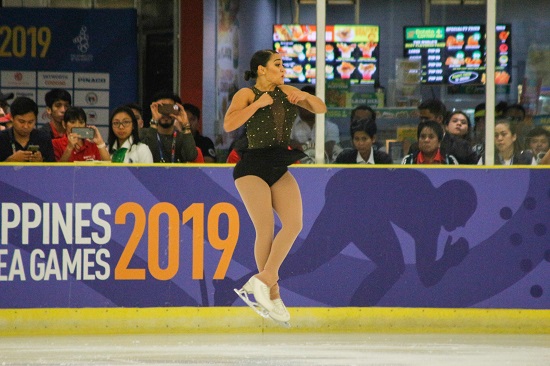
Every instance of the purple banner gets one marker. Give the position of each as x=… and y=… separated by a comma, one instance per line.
x=126, y=236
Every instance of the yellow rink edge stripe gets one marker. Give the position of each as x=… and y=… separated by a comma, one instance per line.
x=66, y=321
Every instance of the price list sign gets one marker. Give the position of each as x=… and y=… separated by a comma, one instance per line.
x=457, y=54
x=427, y=45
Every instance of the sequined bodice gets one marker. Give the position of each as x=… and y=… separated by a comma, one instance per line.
x=271, y=125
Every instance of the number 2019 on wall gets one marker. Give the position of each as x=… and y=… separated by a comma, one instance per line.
x=23, y=42
x=195, y=214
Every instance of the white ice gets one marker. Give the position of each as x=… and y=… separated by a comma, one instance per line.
x=280, y=348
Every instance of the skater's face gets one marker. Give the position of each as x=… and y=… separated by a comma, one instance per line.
x=362, y=142
x=428, y=142
x=274, y=71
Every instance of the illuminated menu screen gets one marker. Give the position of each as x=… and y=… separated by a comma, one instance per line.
x=457, y=54
x=352, y=52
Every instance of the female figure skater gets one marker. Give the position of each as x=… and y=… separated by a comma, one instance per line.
x=262, y=178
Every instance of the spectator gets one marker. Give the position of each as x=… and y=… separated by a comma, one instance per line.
x=538, y=142
x=357, y=113
x=507, y=148
x=429, y=135
x=23, y=142
x=516, y=113
x=4, y=101
x=138, y=112
x=545, y=160
x=124, y=143
x=362, y=111
x=72, y=146
x=202, y=142
x=57, y=102
x=363, y=136
x=5, y=117
x=458, y=124
x=435, y=110
x=302, y=136
x=171, y=141
x=238, y=146
x=478, y=135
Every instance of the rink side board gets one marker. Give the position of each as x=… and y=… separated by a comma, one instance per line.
x=105, y=242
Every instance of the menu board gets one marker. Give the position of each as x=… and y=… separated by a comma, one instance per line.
x=457, y=54
x=352, y=52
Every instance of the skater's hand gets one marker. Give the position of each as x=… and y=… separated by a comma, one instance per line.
x=264, y=100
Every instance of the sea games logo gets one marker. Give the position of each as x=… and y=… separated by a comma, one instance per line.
x=82, y=42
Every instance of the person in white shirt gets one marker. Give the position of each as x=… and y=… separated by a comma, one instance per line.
x=302, y=135
x=363, y=135
x=124, y=144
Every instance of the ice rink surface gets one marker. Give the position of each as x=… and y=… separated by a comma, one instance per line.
x=278, y=348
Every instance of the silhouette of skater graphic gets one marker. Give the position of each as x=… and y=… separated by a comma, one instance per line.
x=361, y=208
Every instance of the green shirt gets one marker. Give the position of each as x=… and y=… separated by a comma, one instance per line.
x=271, y=125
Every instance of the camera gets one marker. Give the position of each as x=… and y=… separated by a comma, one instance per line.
x=84, y=132
x=168, y=109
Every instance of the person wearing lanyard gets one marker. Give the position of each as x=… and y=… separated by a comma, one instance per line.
x=23, y=142
x=171, y=141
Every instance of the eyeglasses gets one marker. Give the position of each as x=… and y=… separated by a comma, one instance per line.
x=119, y=124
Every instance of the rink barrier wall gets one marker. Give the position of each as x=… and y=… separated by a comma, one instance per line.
x=238, y=319
x=499, y=285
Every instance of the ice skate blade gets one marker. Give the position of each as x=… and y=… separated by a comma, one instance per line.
x=254, y=305
x=282, y=324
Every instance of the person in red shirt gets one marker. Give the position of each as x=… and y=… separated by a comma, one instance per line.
x=429, y=134
x=72, y=147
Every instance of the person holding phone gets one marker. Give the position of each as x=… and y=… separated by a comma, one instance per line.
x=268, y=109
x=23, y=142
x=171, y=141
x=81, y=142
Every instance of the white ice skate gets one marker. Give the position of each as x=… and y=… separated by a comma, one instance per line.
x=280, y=314
x=260, y=292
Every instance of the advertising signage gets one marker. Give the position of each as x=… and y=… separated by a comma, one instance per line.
x=352, y=52
x=457, y=54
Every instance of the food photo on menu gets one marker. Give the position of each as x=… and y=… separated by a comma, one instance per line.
x=352, y=52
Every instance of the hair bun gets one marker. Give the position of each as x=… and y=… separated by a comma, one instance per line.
x=250, y=75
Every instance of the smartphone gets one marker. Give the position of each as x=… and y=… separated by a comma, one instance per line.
x=84, y=132
x=33, y=148
x=168, y=109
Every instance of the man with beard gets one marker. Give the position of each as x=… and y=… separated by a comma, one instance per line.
x=171, y=141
